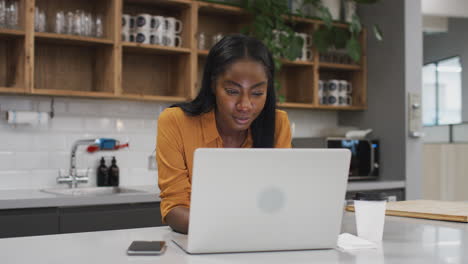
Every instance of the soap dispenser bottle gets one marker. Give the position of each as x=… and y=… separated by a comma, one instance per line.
x=102, y=174
x=114, y=173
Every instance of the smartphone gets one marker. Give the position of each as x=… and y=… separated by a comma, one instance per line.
x=146, y=248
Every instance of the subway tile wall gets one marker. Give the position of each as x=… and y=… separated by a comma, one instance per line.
x=31, y=156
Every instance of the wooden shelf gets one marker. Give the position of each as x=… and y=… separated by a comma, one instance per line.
x=337, y=107
x=203, y=53
x=155, y=49
x=6, y=32
x=337, y=66
x=215, y=8
x=173, y=99
x=71, y=39
x=165, y=3
x=296, y=105
x=297, y=63
x=12, y=90
x=73, y=93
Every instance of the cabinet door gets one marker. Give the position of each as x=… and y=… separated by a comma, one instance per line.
x=28, y=222
x=109, y=217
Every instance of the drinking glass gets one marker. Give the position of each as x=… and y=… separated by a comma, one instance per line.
x=12, y=15
x=76, y=28
x=99, y=27
x=60, y=22
x=69, y=23
x=2, y=13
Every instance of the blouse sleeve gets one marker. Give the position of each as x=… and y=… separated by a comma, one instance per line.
x=282, y=131
x=173, y=176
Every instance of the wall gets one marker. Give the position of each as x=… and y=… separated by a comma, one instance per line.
x=452, y=43
x=30, y=156
x=394, y=69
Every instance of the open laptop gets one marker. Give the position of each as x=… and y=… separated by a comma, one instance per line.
x=265, y=200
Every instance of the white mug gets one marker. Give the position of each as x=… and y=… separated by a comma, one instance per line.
x=172, y=40
x=143, y=37
x=306, y=38
x=126, y=21
x=172, y=24
x=158, y=23
x=306, y=55
x=342, y=88
x=322, y=92
x=332, y=92
x=345, y=100
x=126, y=36
x=157, y=37
x=143, y=23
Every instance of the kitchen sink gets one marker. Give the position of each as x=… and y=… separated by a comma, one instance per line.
x=91, y=191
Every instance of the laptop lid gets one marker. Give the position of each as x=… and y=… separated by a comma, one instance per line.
x=266, y=199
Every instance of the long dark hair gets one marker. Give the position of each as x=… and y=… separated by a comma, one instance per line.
x=227, y=51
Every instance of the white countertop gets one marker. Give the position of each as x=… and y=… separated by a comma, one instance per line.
x=14, y=199
x=405, y=241
x=34, y=198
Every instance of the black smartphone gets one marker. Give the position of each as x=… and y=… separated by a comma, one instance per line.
x=146, y=248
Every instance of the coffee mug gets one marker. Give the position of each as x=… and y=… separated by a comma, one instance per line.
x=342, y=88
x=306, y=55
x=332, y=92
x=157, y=23
x=306, y=38
x=216, y=37
x=143, y=23
x=143, y=37
x=157, y=37
x=172, y=24
x=322, y=92
x=345, y=100
x=172, y=40
x=126, y=20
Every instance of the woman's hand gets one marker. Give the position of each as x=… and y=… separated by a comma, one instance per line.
x=178, y=219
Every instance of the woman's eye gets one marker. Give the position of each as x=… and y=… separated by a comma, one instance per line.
x=231, y=91
x=257, y=93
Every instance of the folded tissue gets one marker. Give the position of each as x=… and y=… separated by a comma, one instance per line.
x=347, y=241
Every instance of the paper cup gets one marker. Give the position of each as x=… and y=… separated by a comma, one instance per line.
x=370, y=218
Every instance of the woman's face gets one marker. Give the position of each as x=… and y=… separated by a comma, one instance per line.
x=241, y=93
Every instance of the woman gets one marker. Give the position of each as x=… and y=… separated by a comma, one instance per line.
x=236, y=107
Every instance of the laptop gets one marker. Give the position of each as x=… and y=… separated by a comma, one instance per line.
x=247, y=200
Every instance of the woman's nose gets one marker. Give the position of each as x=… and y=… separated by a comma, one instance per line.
x=244, y=103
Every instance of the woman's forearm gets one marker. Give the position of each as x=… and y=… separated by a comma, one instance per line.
x=178, y=219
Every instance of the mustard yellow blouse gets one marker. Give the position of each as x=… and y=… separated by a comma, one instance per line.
x=178, y=137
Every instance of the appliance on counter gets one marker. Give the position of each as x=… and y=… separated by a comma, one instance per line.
x=365, y=154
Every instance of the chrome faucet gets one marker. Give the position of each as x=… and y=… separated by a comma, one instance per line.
x=72, y=179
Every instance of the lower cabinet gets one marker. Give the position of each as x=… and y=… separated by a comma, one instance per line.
x=46, y=221
x=29, y=222
x=109, y=217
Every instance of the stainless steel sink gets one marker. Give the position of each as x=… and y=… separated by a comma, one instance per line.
x=91, y=191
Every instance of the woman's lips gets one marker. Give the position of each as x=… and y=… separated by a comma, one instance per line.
x=241, y=120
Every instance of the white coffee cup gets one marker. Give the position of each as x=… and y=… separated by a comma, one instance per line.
x=322, y=92
x=172, y=40
x=342, y=88
x=306, y=38
x=126, y=21
x=370, y=216
x=172, y=25
x=126, y=36
x=157, y=37
x=143, y=23
x=143, y=37
x=332, y=92
x=158, y=23
x=345, y=100
x=306, y=54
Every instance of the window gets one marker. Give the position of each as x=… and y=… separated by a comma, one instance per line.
x=441, y=94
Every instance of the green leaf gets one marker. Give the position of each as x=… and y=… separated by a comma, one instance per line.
x=281, y=98
x=355, y=27
x=322, y=39
x=325, y=15
x=294, y=49
x=354, y=49
x=377, y=32
x=341, y=36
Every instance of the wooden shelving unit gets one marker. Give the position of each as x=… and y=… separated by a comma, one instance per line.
x=47, y=63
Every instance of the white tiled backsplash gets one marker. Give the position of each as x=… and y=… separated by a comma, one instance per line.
x=30, y=156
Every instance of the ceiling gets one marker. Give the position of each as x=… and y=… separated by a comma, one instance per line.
x=436, y=13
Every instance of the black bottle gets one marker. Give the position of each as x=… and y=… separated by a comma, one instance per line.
x=114, y=173
x=102, y=174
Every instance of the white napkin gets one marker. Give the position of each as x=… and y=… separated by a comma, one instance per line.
x=347, y=241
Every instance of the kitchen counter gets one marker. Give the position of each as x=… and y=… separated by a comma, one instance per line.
x=15, y=199
x=406, y=240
